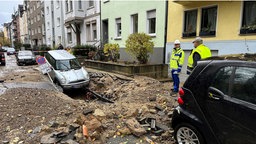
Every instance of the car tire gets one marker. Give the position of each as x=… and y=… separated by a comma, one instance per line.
x=58, y=86
x=186, y=133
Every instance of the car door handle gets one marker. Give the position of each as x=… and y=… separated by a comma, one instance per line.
x=212, y=96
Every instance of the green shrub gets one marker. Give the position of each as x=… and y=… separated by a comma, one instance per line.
x=139, y=46
x=112, y=51
x=27, y=46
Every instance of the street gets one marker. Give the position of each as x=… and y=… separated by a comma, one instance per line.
x=31, y=109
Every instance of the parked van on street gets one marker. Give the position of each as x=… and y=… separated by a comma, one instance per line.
x=66, y=72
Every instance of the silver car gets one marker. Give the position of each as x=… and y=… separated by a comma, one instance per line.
x=66, y=70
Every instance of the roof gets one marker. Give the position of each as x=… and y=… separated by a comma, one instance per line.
x=61, y=55
x=243, y=57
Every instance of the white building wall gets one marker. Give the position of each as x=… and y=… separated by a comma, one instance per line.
x=59, y=25
x=48, y=23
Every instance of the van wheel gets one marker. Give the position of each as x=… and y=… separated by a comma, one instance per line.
x=187, y=134
x=58, y=86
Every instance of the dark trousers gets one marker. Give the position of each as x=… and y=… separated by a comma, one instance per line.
x=176, y=80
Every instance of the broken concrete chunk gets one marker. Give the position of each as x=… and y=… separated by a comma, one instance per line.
x=161, y=113
x=53, y=124
x=99, y=112
x=158, y=107
x=88, y=111
x=49, y=139
x=135, y=127
x=162, y=126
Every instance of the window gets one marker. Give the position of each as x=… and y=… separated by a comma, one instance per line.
x=190, y=23
x=39, y=29
x=37, y=4
x=91, y=3
x=71, y=5
x=59, y=39
x=69, y=35
x=58, y=21
x=237, y=82
x=47, y=10
x=38, y=17
x=249, y=18
x=66, y=3
x=80, y=4
x=58, y=3
x=151, y=22
x=134, y=19
x=88, y=31
x=94, y=31
x=48, y=25
x=208, y=22
x=222, y=79
x=118, y=27
x=243, y=86
x=50, y=59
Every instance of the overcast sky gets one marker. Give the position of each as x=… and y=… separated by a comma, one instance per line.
x=7, y=9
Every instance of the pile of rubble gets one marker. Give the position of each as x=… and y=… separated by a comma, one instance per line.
x=142, y=109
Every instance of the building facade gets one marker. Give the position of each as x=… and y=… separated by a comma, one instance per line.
x=121, y=18
x=23, y=25
x=15, y=32
x=227, y=27
x=92, y=22
x=36, y=25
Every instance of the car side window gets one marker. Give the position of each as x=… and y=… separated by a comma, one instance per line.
x=50, y=60
x=244, y=84
x=221, y=80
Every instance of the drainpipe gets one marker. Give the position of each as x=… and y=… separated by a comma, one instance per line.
x=165, y=29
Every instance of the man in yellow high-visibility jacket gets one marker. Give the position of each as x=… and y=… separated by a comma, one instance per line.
x=176, y=62
x=198, y=53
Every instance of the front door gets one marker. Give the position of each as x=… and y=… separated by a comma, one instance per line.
x=105, y=31
x=231, y=105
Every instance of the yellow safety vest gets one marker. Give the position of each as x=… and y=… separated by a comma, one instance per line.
x=202, y=50
x=177, y=58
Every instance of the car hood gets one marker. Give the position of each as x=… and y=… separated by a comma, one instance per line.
x=24, y=57
x=73, y=75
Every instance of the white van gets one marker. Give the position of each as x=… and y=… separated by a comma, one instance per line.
x=66, y=70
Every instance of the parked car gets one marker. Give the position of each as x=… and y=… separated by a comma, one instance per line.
x=25, y=57
x=217, y=103
x=66, y=70
x=5, y=48
x=2, y=57
x=11, y=51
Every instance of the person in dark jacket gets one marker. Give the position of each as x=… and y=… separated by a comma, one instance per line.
x=60, y=47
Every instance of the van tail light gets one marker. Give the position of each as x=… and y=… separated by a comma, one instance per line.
x=3, y=59
x=181, y=94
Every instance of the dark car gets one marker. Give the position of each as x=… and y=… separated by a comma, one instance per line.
x=2, y=57
x=25, y=57
x=217, y=103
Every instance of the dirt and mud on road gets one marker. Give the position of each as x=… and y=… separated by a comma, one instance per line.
x=140, y=113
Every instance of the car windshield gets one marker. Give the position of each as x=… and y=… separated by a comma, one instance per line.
x=25, y=53
x=67, y=64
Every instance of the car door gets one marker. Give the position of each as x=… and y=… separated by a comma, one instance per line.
x=231, y=105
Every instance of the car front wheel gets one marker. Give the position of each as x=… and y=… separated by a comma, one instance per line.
x=187, y=134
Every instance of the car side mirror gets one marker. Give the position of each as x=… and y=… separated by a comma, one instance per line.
x=215, y=94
